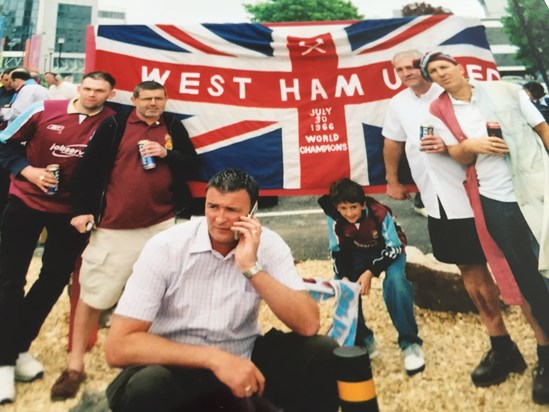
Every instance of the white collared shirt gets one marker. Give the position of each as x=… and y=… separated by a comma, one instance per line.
x=437, y=176
x=63, y=90
x=493, y=172
x=192, y=294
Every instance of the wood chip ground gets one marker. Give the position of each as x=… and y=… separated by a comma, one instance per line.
x=453, y=345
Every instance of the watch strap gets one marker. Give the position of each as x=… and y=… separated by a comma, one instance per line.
x=254, y=270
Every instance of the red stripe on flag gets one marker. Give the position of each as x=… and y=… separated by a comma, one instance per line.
x=191, y=41
x=268, y=95
x=221, y=134
x=89, y=61
x=199, y=188
x=409, y=33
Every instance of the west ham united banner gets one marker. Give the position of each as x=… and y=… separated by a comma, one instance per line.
x=296, y=105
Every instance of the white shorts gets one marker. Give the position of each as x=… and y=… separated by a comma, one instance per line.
x=107, y=262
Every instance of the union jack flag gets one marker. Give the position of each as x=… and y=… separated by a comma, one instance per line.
x=295, y=105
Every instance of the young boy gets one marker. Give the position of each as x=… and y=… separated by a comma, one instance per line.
x=366, y=244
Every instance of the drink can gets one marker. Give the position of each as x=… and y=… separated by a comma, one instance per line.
x=56, y=172
x=425, y=129
x=146, y=161
x=494, y=129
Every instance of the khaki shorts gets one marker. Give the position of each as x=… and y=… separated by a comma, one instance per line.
x=107, y=262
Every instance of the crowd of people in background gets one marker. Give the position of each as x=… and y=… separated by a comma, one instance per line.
x=185, y=328
x=56, y=85
x=21, y=87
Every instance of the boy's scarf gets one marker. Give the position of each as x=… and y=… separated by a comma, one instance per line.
x=345, y=315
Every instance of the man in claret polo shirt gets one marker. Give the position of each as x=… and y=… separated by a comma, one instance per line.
x=127, y=204
x=32, y=205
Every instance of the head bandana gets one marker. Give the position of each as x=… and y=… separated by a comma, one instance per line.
x=427, y=58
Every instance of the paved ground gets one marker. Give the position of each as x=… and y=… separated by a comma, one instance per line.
x=302, y=224
x=306, y=233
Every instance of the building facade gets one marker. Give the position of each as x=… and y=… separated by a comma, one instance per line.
x=50, y=35
x=502, y=49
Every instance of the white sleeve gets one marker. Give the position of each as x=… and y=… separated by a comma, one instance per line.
x=25, y=98
x=392, y=126
x=531, y=113
x=277, y=260
x=441, y=130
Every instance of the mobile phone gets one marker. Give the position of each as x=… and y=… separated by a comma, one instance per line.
x=254, y=210
x=252, y=213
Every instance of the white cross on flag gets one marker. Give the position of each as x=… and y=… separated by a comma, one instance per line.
x=295, y=105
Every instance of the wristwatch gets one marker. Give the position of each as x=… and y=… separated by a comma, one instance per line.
x=254, y=270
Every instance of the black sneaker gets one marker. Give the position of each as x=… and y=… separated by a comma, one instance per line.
x=540, y=387
x=495, y=367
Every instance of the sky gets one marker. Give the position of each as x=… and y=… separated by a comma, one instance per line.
x=232, y=11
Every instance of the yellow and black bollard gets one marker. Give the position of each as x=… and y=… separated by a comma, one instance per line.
x=355, y=381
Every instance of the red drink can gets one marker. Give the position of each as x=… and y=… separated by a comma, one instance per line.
x=494, y=129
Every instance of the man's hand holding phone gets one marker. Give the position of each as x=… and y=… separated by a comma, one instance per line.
x=249, y=215
x=248, y=233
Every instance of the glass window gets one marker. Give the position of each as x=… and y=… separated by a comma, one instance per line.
x=72, y=21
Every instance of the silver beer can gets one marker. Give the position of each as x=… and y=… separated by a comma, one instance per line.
x=146, y=161
x=425, y=129
x=55, y=170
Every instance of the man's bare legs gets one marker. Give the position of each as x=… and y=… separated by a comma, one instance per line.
x=85, y=320
x=485, y=295
x=504, y=356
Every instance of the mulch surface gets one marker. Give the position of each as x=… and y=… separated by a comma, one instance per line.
x=453, y=343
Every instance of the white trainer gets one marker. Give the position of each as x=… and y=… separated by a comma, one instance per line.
x=7, y=384
x=414, y=361
x=421, y=211
x=28, y=368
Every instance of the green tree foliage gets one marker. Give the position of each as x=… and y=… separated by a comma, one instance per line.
x=529, y=31
x=421, y=9
x=274, y=11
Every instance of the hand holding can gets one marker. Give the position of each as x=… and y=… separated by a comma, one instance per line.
x=494, y=129
x=55, y=170
x=425, y=130
x=147, y=161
